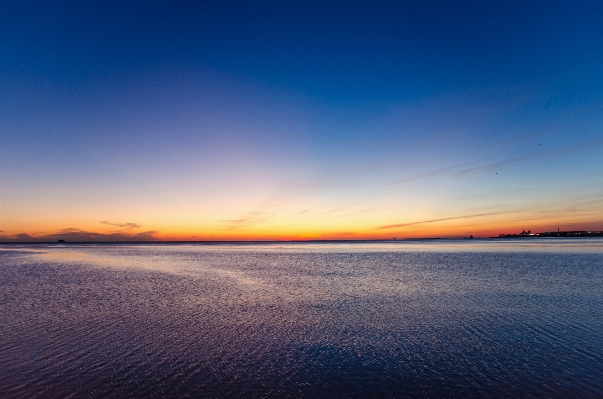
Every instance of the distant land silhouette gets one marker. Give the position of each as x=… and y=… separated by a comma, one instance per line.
x=576, y=233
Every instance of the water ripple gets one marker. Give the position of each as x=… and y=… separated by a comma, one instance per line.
x=147, y=321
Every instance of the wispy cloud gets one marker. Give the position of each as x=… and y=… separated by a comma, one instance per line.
x=429, y=174
x=419, y=177
x=251, y=218
x=493, y=166
x=568, y=149
x=394, y=226
x=127, y=225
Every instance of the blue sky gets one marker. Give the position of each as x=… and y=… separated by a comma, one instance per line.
x=234, y=120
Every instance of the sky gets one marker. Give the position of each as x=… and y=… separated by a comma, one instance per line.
x=285, y=120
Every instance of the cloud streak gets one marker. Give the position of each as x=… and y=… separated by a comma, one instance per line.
x=427, y=175
x=538, y=154
x=127, y=225
x=493, y=166
x=249, y=219
x=394, y=226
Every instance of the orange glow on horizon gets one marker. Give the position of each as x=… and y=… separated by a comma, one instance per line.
x=444, y=229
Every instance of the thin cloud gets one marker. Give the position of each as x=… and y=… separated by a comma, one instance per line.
x=493, y=166
x=427, y=175
x=127, y=225
x=394, y=226
x=538, y=154
x=332, y=211
x=419, y=177
x=249, y=219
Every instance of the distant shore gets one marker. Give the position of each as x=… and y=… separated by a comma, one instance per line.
x=528, y=234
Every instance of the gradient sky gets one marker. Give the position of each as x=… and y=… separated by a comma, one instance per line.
x=299, y=120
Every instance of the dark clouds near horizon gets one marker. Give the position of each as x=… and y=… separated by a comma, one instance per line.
x=77, y=235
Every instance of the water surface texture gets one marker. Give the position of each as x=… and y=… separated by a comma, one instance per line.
x=467, y=318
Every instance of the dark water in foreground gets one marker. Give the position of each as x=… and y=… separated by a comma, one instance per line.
x=421, y=319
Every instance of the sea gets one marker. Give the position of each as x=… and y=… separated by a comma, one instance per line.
x=482, y=318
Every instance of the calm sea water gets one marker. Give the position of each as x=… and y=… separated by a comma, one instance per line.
x=473, y=318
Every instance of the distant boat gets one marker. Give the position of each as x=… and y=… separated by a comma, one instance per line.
x=61, y=240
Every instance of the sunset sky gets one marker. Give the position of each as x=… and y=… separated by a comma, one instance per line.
x=299, y=120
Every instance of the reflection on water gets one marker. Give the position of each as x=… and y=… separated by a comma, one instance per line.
x=477, y=318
